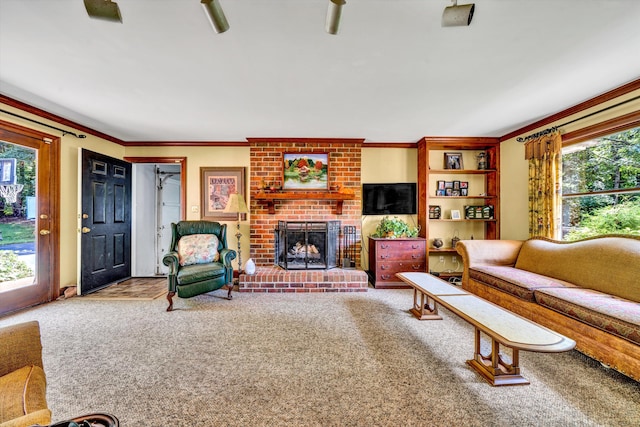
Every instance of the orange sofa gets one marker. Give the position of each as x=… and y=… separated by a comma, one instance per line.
x=588, y=290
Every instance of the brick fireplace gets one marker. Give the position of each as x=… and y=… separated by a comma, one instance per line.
x=266, y=166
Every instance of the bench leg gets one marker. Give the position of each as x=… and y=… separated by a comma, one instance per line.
x=493, y=368
x=422, y=309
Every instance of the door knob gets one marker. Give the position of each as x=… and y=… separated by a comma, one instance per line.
x=86, y=229
x=44, y=232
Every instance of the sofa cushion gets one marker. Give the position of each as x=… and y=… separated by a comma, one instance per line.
x=40, y=418
x=519, y=283
x=589, y=263
x=198, y=249
x=23, y=392
x=607, y=312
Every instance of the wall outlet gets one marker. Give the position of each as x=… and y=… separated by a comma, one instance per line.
x=442, y=259
x=454, y=259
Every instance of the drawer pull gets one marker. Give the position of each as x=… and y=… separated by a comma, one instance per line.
x=415, y=246
x=384, y=267
x=385, y=276
x=384, y=246
x=384, y=256
x=416, y=256
x=417, y=267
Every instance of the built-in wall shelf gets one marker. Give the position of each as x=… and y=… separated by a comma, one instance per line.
x=461, y=171
x=271, y=198
x=464, y=220
x=462, y=197
x=481, y=158
x=442, y=250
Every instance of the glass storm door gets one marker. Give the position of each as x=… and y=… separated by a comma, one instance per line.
x=28, y=225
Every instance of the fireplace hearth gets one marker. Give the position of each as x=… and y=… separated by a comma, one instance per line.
x=307, y=245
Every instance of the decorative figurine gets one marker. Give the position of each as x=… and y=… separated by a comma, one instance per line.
x=482, y=160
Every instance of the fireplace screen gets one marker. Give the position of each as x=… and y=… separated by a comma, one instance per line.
x=307, y=245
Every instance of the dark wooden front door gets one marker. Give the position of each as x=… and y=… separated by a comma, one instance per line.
x=106, y=221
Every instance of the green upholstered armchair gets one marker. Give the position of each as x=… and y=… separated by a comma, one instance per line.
x=191, y=270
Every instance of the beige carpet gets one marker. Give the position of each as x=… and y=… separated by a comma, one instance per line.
x=303, y=360
x=142, y=288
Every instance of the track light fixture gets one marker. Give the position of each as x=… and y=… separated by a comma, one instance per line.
x=214, y=12
x=334, y=13
x=103, y=9
x=454, y=16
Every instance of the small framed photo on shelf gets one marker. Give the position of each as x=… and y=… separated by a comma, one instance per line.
x=440, y=185
x=448, y=184
x=456, y=193
x=455, y=214
x=434, y=211
x=440, y=193
x=464, y=184
x=464, y=192
x=453, y=160
x=448, y=192
x=456, y=185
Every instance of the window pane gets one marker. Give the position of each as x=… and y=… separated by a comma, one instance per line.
x=607, y=163
x=594, y=215
x=17, y=216
x=610, y=163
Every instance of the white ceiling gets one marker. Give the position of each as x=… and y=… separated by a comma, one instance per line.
x=393, y=74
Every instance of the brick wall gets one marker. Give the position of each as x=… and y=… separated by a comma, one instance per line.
x=266, y=162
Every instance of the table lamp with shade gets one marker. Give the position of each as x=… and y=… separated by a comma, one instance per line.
x=237, y=205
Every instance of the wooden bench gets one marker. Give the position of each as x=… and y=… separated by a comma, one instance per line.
x=502, y=326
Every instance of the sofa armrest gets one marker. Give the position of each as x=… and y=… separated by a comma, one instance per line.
x=21, y=346
x=487, y=252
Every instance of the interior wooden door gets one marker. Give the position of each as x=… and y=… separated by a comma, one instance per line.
x=105, y=222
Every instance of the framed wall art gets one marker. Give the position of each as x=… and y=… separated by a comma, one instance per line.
x=216, y=185
x=305, y=171
x=453, y=160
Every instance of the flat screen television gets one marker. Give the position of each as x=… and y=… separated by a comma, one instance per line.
x=389, y=199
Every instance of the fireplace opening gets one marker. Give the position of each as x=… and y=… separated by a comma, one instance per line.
x=305, y=245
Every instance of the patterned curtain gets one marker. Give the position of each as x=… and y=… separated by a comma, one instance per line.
x=545, y=171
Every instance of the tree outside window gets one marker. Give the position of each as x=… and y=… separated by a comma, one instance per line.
x=601, y=186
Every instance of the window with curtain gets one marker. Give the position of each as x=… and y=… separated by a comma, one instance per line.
x=601, y=186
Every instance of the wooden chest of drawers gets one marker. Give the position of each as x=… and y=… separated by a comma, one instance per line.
x=390, y=256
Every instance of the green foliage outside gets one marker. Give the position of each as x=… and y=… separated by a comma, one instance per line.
x=611, y=163
x=17, y=232
x=12, y=268
x=25, y=175
x=623, y=218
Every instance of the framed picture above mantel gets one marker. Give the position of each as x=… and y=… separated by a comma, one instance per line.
x=305, y=171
